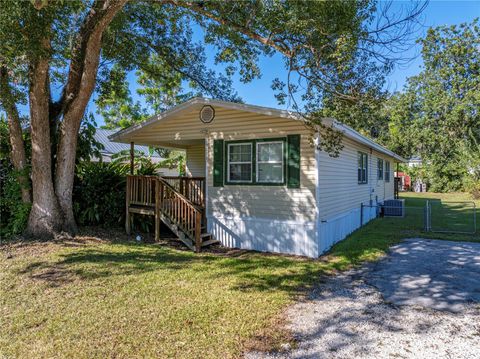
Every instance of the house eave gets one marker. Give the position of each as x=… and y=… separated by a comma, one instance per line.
x=358, y=137
x=122, y=136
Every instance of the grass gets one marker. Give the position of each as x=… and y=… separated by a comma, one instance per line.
x=124, y=300
x=96, y=299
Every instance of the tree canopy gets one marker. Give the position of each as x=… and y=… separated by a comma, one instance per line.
x=55, y=54
x=437, y=116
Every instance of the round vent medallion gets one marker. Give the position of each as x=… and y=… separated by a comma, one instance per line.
x=207, y=114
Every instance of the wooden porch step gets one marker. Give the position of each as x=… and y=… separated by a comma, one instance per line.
x=150, y=211
x=209, y=242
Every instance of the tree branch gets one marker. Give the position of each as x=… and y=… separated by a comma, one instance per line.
x=267, y=41
x=17, y=153
x=100, y=15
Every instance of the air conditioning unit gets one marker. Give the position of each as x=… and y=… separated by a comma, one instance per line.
x=394, y=208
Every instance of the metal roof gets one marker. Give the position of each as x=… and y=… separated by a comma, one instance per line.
x=111, y=148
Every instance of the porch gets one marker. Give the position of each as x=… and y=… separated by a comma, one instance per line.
x=178, y=202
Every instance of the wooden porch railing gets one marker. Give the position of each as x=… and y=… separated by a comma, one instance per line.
x=153, y=195
x=141, y=190
x=192, y=188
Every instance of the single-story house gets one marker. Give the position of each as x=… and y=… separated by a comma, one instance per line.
x=266, y=186
x=111, y=148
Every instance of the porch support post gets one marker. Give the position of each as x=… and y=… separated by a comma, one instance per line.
x=396, y=181
x=157, y=209
x=127, y=206
x=132, y=157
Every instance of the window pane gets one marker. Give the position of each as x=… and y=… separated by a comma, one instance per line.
x=270, y=152
x=270, y=172
x=262, y=152
x=240, y=153
x=240, y=172
x=235, y=157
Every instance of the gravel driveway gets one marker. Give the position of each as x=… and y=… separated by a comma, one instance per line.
x=421, y=301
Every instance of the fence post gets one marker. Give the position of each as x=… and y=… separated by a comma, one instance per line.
x=474, y=218
x=361, y=214
x=427, y=216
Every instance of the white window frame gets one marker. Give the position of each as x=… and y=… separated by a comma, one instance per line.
x=380, y=170
x=239, y=163
x=387, y=179
x=364, y=167
x=257, y=161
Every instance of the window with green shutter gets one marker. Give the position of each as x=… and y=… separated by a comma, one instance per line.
x=269, y=161
x=293, y=170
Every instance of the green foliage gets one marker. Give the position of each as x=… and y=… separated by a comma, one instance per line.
x=13, y=212
x=143, y=164
x=99, y=193
x=115, y=103
x=438, y=114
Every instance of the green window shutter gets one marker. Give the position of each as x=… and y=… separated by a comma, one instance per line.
x=218, y=163
x=293, y=161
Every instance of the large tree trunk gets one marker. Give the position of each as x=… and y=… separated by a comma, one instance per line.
x=17, y=153
x=79, y=89
x=65, y=170
x=46, y=217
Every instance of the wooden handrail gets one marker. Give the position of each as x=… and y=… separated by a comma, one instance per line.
x=181, y=212
x=191, y=187
x=156, y=193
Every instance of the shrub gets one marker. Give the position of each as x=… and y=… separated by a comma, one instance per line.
x=473, y=187
x=99, y=193
x=13, y=212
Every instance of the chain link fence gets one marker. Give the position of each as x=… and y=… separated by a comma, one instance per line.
x=430, y=216
x=451, y=217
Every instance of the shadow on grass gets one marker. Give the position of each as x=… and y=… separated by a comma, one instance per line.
x=245, y=271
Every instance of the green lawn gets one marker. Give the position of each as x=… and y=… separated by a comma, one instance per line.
x=373, y=240
x=96, y=299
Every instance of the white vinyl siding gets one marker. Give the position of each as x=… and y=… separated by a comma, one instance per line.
x=338, y=187
x=195, y=161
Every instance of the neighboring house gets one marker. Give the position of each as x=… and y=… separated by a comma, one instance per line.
x=267, y=188
x=415, y=161
x=112, y=148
